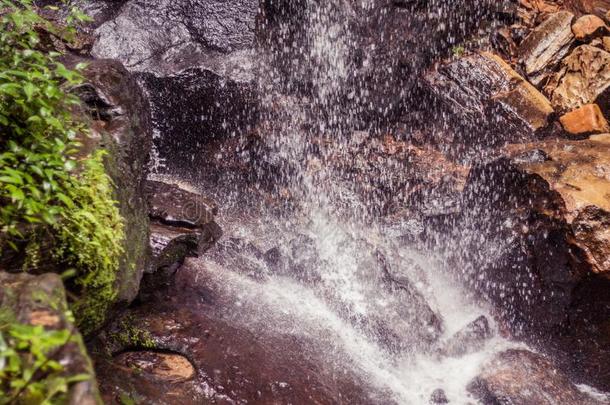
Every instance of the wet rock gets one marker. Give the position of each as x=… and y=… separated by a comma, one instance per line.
x=159, y=366
x=383, y=45
x=583, y=78
x=468, y=340
x=439, y=397
x=523, y=377
x=587, y=119
x=182, y=225
x=170, y=245
x=588, y=27
x=172, y=205
x=412, y=323
x=546, y=45
x=538, y=274
x=232, y=363
x=168, y=36
x=577, y=173
x=121, y=123
x=41, y=301
x=489, y=99
x=195, y=60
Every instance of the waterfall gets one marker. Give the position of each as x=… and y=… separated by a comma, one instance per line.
x=326, y=271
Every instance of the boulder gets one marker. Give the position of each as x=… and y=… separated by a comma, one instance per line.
x=41, y=301
x=546, y=45
x=493, y=103
x=182, y=224
x=577, y=173
x=468, y=340
x=525, y=378
x=195, y=60
x=583, y=78
x=121, y=124
x=587, y=119
x=598, y=7
x=588, y=27
x=438, y=396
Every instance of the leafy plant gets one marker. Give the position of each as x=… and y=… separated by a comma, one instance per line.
x=458, y=51
x=45, y=187
x=37, y=129
x=29, y=370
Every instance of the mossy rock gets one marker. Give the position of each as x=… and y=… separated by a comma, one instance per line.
x=120, y=124
x=40, y=301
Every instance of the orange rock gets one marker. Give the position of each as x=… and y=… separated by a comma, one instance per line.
x=589, y=26
x=585, y=120
x=606, y=42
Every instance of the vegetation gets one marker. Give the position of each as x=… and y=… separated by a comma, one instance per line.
x=29, y=373
x=90, y=235
x=46, y=188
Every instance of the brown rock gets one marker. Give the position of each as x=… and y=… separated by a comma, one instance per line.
x=490, y=99
x=523, y=377
x=546, y=45
x=163, y=366
x=584, y=78
x=175, y=205
x=588, y=27
x=578, y=172
x=606, y=43
x=597, y=7
x=587, y=119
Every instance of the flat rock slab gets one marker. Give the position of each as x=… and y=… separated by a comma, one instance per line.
x=173, y=205
x=231, y=364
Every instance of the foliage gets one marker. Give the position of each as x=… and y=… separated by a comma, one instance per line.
x=90, y=236
x=29, y=372
x=458, y=50
x=37, y=129
x=43, y=184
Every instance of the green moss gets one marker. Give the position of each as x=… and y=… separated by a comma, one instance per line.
x=90, y=238
x=129, y=335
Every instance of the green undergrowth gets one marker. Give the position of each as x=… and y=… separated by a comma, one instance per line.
x=29, y=370
x=56, y=206
x=90, y=235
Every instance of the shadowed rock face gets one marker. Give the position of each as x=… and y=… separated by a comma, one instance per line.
x=121, y=123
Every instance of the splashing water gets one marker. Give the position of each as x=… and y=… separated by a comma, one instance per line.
x=327, y=272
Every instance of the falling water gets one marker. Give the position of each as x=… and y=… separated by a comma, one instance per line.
x=326, y=271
